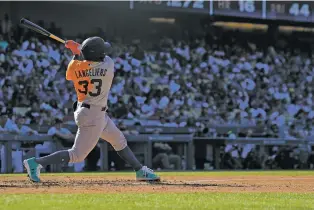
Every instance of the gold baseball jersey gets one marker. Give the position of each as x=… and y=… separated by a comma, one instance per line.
x=92, y=80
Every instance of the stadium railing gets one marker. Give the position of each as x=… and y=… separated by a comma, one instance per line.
x=147, y=136
x=217, y=142
x=146, y=139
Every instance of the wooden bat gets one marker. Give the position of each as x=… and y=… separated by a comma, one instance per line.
x=38, y=29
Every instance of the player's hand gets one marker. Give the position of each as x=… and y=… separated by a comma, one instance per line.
x=73, y=46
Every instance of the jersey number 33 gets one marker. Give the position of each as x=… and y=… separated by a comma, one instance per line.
x=97, y=83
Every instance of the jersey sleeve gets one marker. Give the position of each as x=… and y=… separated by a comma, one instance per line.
x=70, y=70
x=110, y=64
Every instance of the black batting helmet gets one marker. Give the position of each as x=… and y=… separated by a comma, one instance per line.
x=95, y=49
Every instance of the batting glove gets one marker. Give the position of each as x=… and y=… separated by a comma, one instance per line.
x=73, y=46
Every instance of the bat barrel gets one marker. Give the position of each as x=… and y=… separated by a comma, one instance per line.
x=34, y=27
x=22, y=21
x=28, y=24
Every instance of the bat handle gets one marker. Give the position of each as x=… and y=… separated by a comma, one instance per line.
x=57, y=38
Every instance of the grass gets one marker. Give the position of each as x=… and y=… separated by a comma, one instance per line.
x=158, y=201
x=167, y=200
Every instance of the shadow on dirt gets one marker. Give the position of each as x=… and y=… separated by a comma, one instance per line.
x=186, y=184
x=101, y=183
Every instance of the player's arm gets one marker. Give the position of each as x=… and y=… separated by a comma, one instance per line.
x=75, y=49
x=70, y=71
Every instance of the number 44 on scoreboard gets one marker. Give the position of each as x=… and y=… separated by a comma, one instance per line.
x=297, y=9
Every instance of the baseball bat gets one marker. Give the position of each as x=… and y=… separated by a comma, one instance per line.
x=38, y=29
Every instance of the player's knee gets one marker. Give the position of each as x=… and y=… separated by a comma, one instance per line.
x=175, y=158
x=162, y=156
x=120, y=143
x=75, y=156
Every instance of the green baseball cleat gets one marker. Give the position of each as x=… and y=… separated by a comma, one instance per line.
x=33, y=169
x=146, y=174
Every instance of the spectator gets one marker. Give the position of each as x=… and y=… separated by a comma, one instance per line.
x=10, y=125
x=3, y=119
x=3, y=46
x=6, y=25
x=61, y=133
x=176, y=84
x=253, y=160
x=232, y=157
x=24, y=129
x=286, y=159
x=311, y=159
x=159, y=87
x=164, y=158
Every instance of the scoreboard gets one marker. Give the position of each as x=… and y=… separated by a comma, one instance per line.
x=294, y=10
x=275, y=10
x=241, y=8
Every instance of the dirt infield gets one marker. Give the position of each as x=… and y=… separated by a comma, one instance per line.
x=115, y=184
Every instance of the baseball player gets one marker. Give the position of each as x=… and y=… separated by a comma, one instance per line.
x=92, y=72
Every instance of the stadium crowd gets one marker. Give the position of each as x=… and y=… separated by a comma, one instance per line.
x=232, y=79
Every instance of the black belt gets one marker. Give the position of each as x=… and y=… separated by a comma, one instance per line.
x=88, y=107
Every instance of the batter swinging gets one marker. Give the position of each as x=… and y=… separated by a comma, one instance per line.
x=91, y=72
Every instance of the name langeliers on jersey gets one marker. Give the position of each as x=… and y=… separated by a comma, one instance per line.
x=95, y=72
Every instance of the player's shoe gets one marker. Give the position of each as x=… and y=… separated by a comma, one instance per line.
x=146, y=174
x=33, y=169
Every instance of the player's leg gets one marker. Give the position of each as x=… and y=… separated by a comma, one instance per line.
x=163, y=159
x=33, y=165
x=176, y=161
x=85, y=140
x=116, y=138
